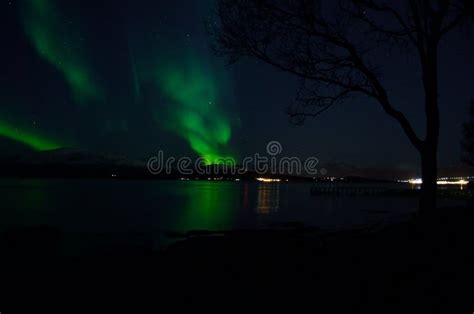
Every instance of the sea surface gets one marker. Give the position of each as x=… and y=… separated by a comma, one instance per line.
x=105, y=213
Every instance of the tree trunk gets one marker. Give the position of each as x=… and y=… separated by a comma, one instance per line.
x=429, y=174
x=429, y=148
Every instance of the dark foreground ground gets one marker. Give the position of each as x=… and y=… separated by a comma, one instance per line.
x=425, y=266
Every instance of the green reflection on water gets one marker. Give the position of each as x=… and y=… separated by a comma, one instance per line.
x=26, y=201
x=208, y=206
x=33, y=198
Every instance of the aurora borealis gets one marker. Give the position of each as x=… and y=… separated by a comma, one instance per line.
x=193, y=112
x=130, y=78
x=29, y=138
x=186, y=94
x=60, y=45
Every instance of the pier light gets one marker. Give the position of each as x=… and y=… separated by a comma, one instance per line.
x=441, y=181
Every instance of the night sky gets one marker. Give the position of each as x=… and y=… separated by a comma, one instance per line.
x=133, y=77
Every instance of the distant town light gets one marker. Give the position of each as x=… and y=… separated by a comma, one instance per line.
x=268, y=180
x=415, y=181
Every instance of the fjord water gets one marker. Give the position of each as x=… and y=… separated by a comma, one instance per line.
x=119, y=212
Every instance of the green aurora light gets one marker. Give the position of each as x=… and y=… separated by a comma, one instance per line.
x=54, y=41
x=193, y=113
x=37, y=142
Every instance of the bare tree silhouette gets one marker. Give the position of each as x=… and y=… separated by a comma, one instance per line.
x=331, y=48
x=467, y=141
